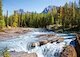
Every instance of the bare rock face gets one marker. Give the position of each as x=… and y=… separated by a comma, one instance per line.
x=69, y=51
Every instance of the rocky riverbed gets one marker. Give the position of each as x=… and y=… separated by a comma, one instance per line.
x=35, y=42
x=10, y=33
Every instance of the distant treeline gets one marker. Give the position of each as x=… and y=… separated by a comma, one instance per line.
x=67, y=16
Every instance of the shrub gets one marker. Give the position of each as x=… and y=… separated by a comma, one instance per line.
x=6, y=53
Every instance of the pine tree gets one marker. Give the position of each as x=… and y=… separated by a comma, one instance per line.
x=54, y=13
x=2, y=23
x=6, y=19
x=15, y=19
x=62, y=17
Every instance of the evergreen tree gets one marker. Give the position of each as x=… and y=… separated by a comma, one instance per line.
x=6, y=19
x=54, y=14
x=15, y=19
x=2, y=23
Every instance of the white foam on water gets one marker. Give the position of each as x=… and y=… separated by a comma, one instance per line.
x=49, y=50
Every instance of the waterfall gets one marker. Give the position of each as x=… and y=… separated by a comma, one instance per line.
x=49, y=50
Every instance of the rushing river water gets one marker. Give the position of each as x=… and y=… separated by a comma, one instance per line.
x=23, y=44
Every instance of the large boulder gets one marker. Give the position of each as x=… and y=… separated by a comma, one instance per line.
x=69, y=51
x=78, y=44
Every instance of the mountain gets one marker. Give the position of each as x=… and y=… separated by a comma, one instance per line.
x=49, y=8
x=46, y=10
x=20, y=11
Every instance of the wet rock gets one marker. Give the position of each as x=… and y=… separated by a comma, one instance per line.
x=43, y=42
x=60, y=40
x=50, y=35
x=35, y=44
x=69, y=51
x=53, y=40
x=45, y=36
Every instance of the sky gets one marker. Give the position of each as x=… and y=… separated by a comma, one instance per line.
x=30, y=5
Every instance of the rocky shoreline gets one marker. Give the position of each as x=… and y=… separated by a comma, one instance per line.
x=13, y=33
x=21, y=54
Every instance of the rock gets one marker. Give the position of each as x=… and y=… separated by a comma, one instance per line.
x=19, y=32
x=78, y=38
x=78, y=44
x=45, y=36
x=69, y=51
x=21, y=54
x=53, y=40
x=60, y=40
x=35, y=44
x=50, y=35
x=43, y=42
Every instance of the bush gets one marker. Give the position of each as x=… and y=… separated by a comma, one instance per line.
x=6, y=53
x=2, y=23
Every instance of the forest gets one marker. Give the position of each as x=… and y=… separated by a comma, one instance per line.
x=67, y=16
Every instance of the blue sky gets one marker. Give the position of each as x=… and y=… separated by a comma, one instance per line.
x=30, y=5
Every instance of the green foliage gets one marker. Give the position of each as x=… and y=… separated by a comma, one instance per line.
x=15, y=19
x=67, y=16
x=6, y=53
x=2, y=24
x=6, y=19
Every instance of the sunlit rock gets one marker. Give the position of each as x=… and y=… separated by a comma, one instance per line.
x=60, y=40
x=23, y=54
x=78, y=44
x=69, y=51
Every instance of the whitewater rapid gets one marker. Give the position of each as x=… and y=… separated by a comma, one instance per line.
x=23, y=44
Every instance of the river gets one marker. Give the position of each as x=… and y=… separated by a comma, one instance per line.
x=23, y=43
